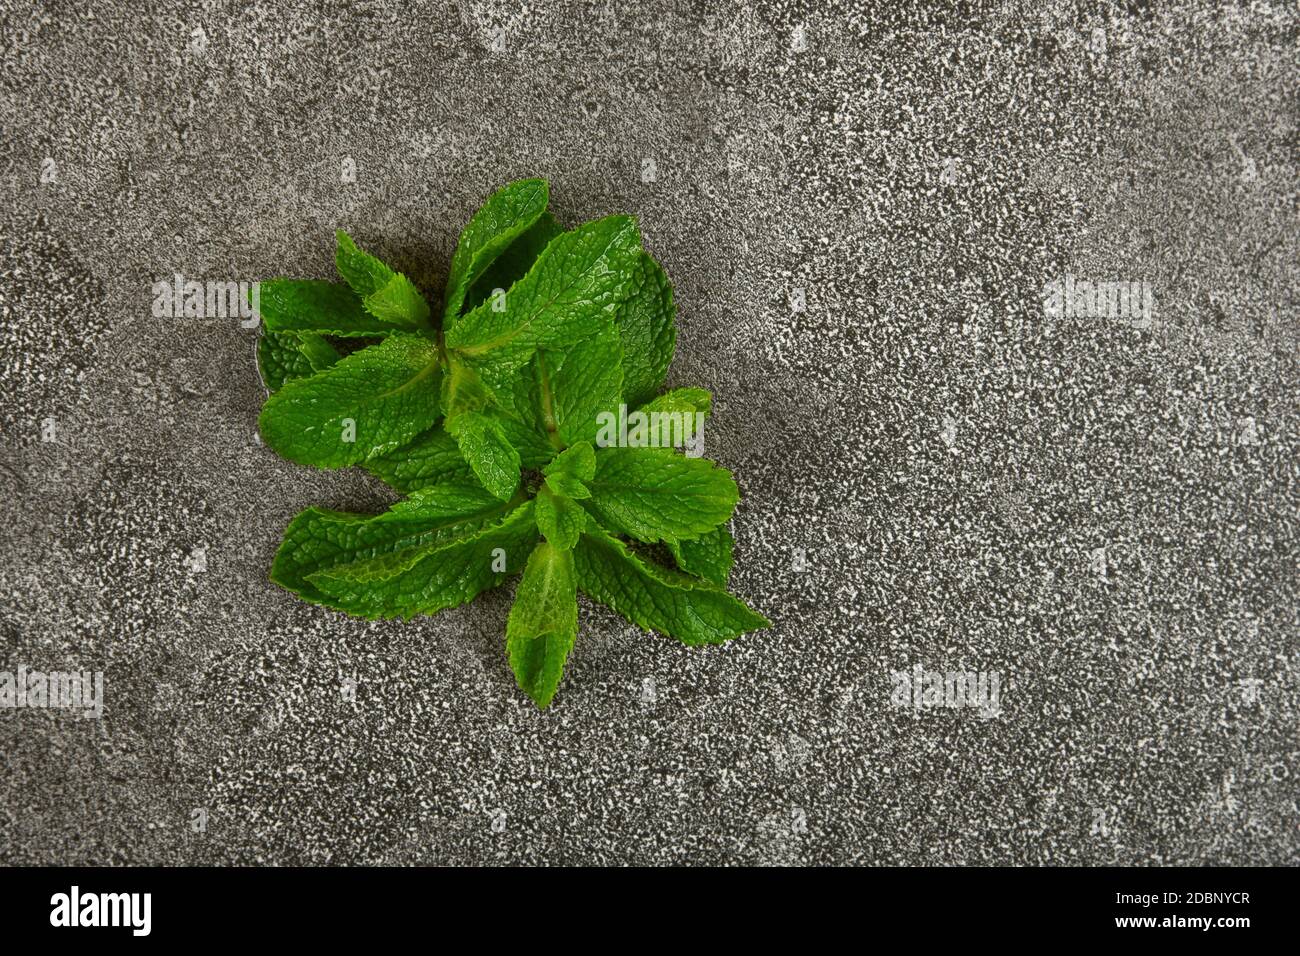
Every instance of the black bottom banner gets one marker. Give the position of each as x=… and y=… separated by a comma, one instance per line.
x=1174, y=907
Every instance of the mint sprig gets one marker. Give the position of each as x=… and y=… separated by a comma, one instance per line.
x=488, y=422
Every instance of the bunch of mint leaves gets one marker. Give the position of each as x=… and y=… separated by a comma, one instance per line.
x=486, y=421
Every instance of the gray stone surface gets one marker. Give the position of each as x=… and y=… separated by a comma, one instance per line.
x=1105, y=516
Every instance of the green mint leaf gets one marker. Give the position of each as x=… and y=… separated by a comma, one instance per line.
x=399, y=303
x=502, y=374
x=559, y=394
x=485, y=445
x=318, y=539
x=560, y=519
x=319, y=353
x=387, y=295
x=653, y=494
x=432, y=458
x=660, y=599
x=514, y=263
x=672, y=420
x=427, y=580
x=488, y=384
x=507, y=214
x=543, y=622
x=533, y=447
x=367, y=404
x=587, y=382
x=283, y=356
x=708, y=556
x=463, y=389
x=570, y=469
x=327, y=308
x=685, y=400
x=649, y=336
x=364, y=273
x=571, y=292
x=578, y=461
x=463, y=392
x=568, y=486
x=516, y=391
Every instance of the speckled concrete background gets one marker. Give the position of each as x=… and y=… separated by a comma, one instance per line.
x=935, y=472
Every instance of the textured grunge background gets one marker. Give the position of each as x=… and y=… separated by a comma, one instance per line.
x=1106, y=516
